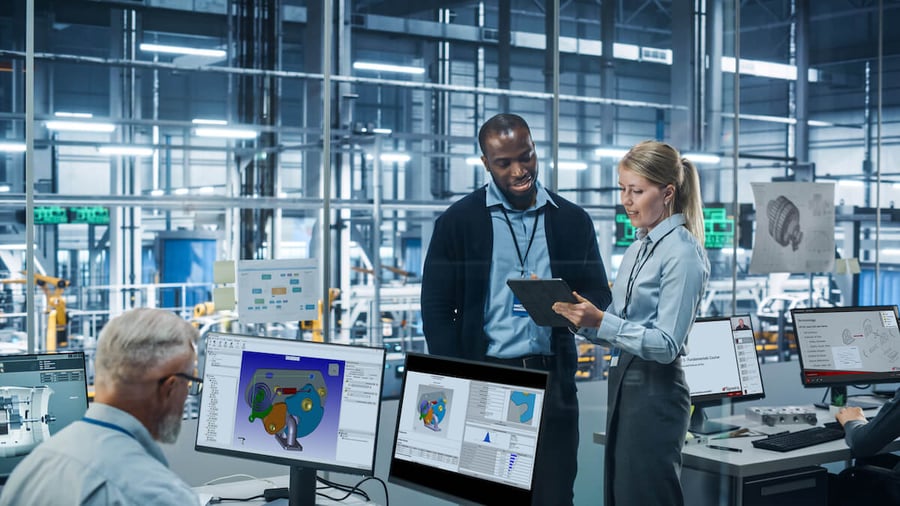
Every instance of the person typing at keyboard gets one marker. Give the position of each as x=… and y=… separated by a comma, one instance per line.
x=873, y=474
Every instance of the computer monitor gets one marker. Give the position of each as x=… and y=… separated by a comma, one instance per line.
x=841, y=346
x=39, y=395
x=721, y=366
x=309, y=405
x=468, y=430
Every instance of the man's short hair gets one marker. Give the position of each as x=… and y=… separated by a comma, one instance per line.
x=503, y=122
x=138, y=340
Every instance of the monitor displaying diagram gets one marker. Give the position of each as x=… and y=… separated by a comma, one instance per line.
x=848, y=345
x=40, y=394
x=310, y=404
x=468, y=428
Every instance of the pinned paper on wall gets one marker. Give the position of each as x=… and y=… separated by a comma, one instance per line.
x=278, y=290
x=794, y=228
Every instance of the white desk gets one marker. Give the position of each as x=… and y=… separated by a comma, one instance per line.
x=250, y=488
x=711, y=475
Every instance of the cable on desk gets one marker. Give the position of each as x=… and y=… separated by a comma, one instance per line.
x=355, y=489
x=343, y=488
x=230, y=476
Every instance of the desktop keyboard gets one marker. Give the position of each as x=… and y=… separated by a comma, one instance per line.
x=798, y=439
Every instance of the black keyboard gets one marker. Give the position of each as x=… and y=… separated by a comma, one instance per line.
x=798, y=439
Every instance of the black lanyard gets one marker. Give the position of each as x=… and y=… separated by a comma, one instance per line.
x=634, y=274
x=516, y=241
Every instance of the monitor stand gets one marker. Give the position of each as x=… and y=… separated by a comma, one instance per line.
x=839, y=398
x=301, y=489
x=700, y=424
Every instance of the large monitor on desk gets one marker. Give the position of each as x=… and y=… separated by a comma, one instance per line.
x=39, y=395
x=841, y=346
x=721, y=366
x=308, y=405
x=468, y=430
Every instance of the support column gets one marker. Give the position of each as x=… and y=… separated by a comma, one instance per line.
x=683, y=128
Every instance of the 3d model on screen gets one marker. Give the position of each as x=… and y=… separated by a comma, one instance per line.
x=784, y=222
x=24, y=419
x=289, y=402
x=432, y=408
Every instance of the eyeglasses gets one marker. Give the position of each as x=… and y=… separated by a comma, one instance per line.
x=195, y=384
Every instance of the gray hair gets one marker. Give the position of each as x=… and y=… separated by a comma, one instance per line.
x=138, y=340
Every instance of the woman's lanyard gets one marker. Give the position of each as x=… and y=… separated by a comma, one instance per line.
x=634, y=273
x=522, y=258
x=108, y=425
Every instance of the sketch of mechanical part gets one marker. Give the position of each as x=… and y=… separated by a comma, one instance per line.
x=847, y=336
x=784, y=222
x=24, y=419
x=290, y=403
x=432, y=409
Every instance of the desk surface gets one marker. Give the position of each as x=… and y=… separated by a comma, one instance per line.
x=250, y=488
x=754, y=461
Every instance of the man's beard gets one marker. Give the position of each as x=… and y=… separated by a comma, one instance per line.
x=170, y=427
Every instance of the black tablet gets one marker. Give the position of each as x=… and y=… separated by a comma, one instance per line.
x=538, y=296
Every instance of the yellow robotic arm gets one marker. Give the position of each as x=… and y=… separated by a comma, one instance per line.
x=57, y=323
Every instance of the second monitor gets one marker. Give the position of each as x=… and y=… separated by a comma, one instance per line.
x=721, y=366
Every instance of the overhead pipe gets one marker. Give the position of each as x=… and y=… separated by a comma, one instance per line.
x=343, y=79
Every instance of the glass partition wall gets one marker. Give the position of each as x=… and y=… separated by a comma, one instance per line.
x=142, y=144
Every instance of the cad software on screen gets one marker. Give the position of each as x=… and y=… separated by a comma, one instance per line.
x=482, y=429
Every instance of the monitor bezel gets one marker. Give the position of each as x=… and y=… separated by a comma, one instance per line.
x=847, y=379
x=716, y=399
x=305, y=464
x=451, y=485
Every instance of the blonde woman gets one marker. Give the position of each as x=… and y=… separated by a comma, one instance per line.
x=654, y=301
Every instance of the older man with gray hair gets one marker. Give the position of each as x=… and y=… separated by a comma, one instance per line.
x=144, y=371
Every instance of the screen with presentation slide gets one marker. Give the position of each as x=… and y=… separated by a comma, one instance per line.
x=39, y=395
x=309, y=405
x=468, y=430
x=721, y=365
x=840, y=346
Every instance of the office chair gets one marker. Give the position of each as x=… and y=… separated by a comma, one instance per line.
x=866, y=484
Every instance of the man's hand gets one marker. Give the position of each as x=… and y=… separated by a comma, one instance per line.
x=850, y=413
x=582, y=313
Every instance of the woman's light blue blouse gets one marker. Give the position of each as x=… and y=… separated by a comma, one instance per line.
x=662, y=292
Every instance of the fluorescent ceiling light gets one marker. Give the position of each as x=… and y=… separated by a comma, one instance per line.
x=384, y=67
x=157, y=192
x=181, y=191
x=814, y=122
x=4, y=188
x=226, y=133
x=767, y=69
x=161, y=48
x=572, y=165
x=203, y=121
x=702, y=157
x=611, y=152
x=126, y=150
x=474, y=160
x=383, y=131
x=12, y=147
x=64, y=114
x=395, y=157
x=206, y=190
x=79, y=126
x=850, y=184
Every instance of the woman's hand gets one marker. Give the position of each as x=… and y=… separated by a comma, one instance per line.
x=582, y=314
